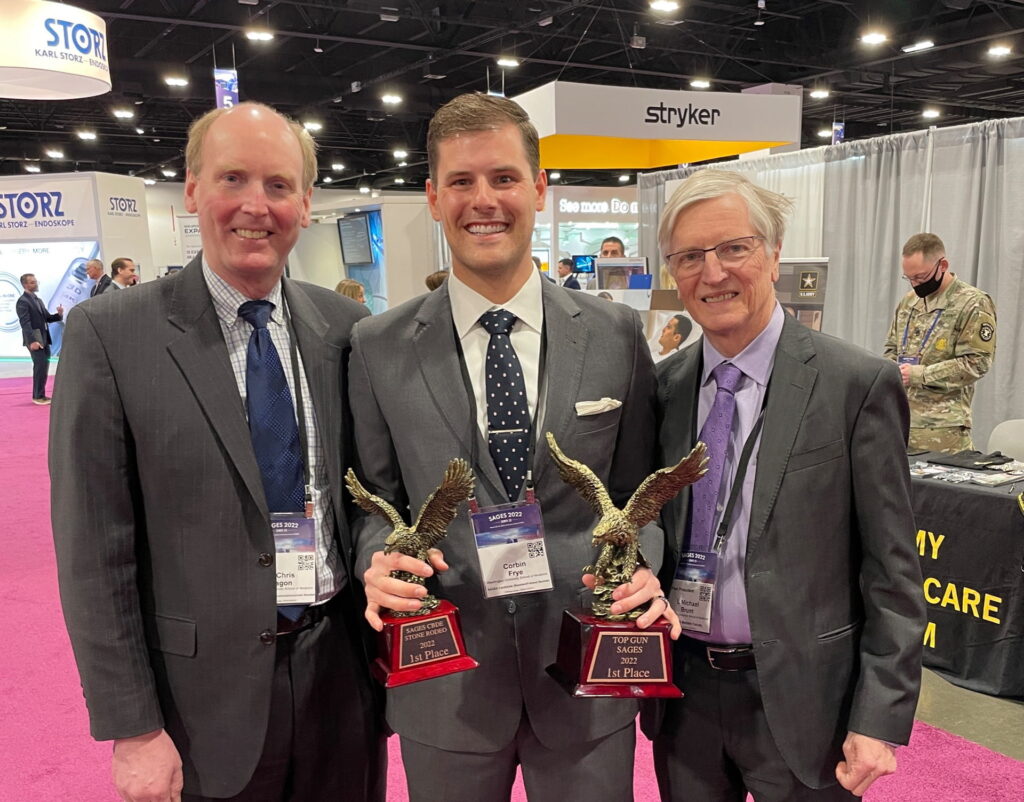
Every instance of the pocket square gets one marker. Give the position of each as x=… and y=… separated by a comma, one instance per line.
x=596, y=407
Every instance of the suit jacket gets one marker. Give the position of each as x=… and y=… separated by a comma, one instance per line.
x=160, y=518
x=833, y=578
x=102, y=285
x=571, y=283
x=412, y=415
x=33, y=317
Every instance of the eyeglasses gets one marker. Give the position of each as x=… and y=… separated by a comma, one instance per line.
x=731, y=253
x=919, y=279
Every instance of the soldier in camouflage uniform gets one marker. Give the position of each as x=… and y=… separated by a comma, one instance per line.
x=943, y=337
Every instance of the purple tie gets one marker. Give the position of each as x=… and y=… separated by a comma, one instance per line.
x=716, y=435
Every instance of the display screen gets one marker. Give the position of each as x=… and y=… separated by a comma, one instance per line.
x=354, y=231
x=582, y=264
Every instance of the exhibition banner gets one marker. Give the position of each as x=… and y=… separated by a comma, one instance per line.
x=55, y=206
x=225, y=84
x=588, y=126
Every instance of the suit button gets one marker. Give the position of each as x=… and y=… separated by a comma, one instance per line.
x=267, y=637
x=510, y=606
x=266, y=559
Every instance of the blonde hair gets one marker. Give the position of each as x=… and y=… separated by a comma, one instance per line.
x=200, y=127
x=350, y=288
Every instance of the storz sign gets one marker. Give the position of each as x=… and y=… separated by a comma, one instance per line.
x=32, y=209
x=122, y=207
x=74, y=42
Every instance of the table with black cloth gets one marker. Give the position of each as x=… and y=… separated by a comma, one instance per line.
x=971, y=542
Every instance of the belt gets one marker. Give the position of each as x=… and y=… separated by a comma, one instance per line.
x=310, y=618
x=721, y=657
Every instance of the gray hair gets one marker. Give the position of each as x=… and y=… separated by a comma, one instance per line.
x=768, y=210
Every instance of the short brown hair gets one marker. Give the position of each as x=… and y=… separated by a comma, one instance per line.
x=118, y=264
x=435, y=279
x=476, y=111
x=928, y=245
x=199, y=128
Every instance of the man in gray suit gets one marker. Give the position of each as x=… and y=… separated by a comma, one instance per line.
x=191, y=661
x=94, y=270
x=418, y=407
x=800, y=659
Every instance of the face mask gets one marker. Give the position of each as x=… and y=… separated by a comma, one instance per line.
x=926, y=288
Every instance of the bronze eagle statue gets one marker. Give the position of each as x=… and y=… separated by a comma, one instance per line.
x=431, y=525
x=618, y=531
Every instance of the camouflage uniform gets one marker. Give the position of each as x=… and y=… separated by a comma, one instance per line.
x=957, y=353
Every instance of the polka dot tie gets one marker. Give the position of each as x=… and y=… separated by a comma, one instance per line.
x=716, y=435
x=508, y=413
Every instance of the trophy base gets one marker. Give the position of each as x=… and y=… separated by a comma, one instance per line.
x=412, y=649
x=613, y=658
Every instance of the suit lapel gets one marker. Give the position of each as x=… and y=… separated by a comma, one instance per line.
x=201, y=355
x=789, y=390
x=679, y=386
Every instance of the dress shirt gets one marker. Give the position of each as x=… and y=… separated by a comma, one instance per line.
x=528, y=306
x=330, y=572
x=729, y=621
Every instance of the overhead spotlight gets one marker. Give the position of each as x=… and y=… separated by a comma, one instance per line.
x=874, y=38
x=388, y=14
x=999, y=51
x=403, y=164
x=623, y=179
x=664, y=6
x=931, y=114
x=760, y=8
x=327, y=179
x=337, y=167
x=825, y=133
x=700, y=83
x=317, y=48
x=917, y=47
x=543, y=22
x=820, y=94
x=140, y=130
x=86, y=135
x=149, y=181
x=168, y=172
x=175, y=80
x=53, y=153
x=390, y=99
x=365, y=190
x=32, y=168
x=312, y=125
x=399, y=180
x=401, y=154
x=430, y=73
x=554, y=176
x=124, y=114
x=259, y=36
x=508, y=61
x=636, y=41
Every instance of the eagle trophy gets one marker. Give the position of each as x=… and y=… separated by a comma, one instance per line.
x=618, y=531
x=430, y=528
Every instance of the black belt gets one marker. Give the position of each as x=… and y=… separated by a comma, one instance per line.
x=312, y=616
x=721, y=657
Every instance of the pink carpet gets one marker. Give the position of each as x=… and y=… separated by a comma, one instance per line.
x=45, y=748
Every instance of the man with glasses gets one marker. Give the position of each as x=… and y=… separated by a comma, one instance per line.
x=943, y=337
x=792, y=562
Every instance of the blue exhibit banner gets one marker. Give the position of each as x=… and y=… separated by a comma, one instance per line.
x=838, y=132
x=225, y=83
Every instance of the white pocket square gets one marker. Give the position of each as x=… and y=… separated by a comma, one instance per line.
x=596, y=407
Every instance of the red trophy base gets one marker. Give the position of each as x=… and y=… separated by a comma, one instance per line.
x=614, y=658
x=415, y=648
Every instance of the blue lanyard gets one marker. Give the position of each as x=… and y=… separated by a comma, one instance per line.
x=906, y=331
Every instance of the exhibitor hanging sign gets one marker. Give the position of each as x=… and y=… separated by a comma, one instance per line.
x=606, y=127
x=51, y=51
x=46, y=208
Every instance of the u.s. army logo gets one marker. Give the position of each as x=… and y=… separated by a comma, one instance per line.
x=986, y=332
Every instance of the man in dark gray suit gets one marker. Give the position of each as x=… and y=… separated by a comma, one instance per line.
x=195, y=660
x=35, y=320
x=94, y=270
x=795, y=563
x=416, y=408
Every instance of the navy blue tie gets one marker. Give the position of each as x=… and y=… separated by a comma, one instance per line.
x=508, y=413
x=272, y=426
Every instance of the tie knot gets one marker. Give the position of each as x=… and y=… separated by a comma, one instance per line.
x=256, y=313
x=498, y=321
x=727, y=377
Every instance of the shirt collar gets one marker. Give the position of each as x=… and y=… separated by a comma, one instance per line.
x=756, y=359
x=468, y=305
x=226, y=299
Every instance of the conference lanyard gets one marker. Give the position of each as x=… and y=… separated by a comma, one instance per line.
x=307, y=485
x=906, y=332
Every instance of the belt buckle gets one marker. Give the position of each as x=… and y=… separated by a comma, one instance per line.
x=714, y=651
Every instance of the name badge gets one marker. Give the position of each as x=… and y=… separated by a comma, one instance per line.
x=907, y=359
x=511, y=550
x=693, y=590
x=295, y=544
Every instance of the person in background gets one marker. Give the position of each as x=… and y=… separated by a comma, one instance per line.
x=565, y=275
x=673, y=335
x=435, y=279
x=94, y=270
x=943, y=337
x=122, y=273
x=351, y=288
x=612, y=247
x=35, y=334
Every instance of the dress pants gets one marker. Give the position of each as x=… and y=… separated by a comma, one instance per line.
x=596, y=771
x=40, y=369
x=324, y=741
x=715, y=744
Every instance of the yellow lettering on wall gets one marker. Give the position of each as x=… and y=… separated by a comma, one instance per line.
x=935, y=541
x=933, y=582
x=991, y=607
x=949, y=598
x=964, y=600
x=920, y=539
x=929, y=635
x=971, y=598
x=928, y=543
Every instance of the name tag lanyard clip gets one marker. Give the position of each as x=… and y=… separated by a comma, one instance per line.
x=906, y=332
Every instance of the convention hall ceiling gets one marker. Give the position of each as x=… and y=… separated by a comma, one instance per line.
x=331, y=61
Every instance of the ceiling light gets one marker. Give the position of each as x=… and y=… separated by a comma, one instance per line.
x=365, y=190
x=825, y=133
x=317, y=48
x=700, y=83
x=168, y=172
x=388, y=14
x=401, y=154
x=149, y=181
x=53, y=153
x=87, y=135
x=337, y=167
x=664, y=5
x=555, y=175
x=874, y=38
x=374, y=194
x=623, y=179
x=924, y=44
x=312, y=125
x=175, y=80
x=327, y=179
x=819, y=94
x=391, y=99
x=155, y=139
x=259, y=36
x=32, y=168
x=140, y=130
x=543, y=22
x=508, y=61
x=999, y=51
x=399, y=180
x=930, y=114
x=124, y=114
x=431, y=74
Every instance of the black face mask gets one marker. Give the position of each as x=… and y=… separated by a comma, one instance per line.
x=927, y=287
